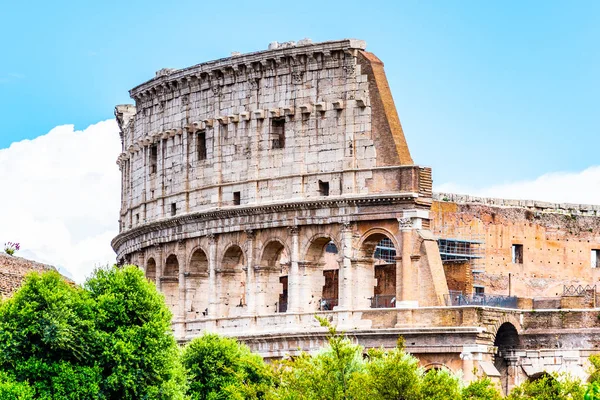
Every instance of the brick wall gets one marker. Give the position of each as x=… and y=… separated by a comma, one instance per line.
x=13, y=271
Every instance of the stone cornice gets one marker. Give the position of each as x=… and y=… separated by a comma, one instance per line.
x=231, y=69
x=217, y=214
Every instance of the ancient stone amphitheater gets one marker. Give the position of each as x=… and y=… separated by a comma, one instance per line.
x=261, y=189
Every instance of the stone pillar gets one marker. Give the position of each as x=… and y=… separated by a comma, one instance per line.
x=181, y=256
x=467, y=365
x=159, y=267
x=512, y=371
x=295, y=303
x=345, y=274
x=250, y=274
x=407, y=277
x=212, y=277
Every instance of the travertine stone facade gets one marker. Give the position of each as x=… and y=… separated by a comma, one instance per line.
x=256, y=188
x=237, y=174
x=559, y=242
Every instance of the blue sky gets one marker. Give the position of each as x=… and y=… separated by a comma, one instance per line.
x=486, y=91
x=500, y=98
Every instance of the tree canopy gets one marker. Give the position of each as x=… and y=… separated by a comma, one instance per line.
x=110, y=339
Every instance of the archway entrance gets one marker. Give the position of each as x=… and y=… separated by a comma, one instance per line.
x=380, y=253
x=272, y=279
x=231, y=281
x=507, y=339
x=196, y=282
x=321, y=275
x=170, y=283
x=151, y=270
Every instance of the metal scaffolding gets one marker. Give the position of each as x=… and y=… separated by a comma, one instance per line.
x=461, y=245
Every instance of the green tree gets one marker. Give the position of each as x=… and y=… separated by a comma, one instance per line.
x=327, y=375
x=439, y=384
x=108, y=340
x=220, y=368
x=481, y=389
x=549, y=387
x=11, y=390
x=594, y=360
x=390, y=375
x=137, y=352
x=47, y=337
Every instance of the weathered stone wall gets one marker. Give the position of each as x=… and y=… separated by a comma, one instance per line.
x=237, y=173
x=336, y=114
x=13, y=271
x=557, y=241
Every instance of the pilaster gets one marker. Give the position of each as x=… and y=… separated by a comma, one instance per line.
x=294, y=281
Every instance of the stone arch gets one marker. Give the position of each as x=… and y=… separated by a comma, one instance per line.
x=231, y=282
x=171, y=266
x=170, y=282
x=506, y=338
x=320, y=273
x=369, y=240
x=436, y=366
x=196, y=284
x=151, y=270
x=308, y=246
x=503, y=319
x=272, y=277
x=198, y=261
x=377, y=268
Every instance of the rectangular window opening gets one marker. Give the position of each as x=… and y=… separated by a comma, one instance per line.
x=596, y=258
x=137, y=218
x=479, y=290
x=201, y=145
x=153, y=158
x=517, y=253
x=324, y=188
x=173, y=209
x=278, y=133
x=236, y=199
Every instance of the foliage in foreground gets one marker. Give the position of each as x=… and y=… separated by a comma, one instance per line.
x=549, y=387
x=340, y=372
x=222, y=368
x=111, y=339
x=108, y=340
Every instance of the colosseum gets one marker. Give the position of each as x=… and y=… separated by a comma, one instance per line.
x=261, y=189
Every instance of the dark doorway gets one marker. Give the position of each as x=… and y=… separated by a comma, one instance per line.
x=283, y=296
x=330, y=290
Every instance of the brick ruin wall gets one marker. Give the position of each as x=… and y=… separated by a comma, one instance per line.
x=13, y=271
x=558, y=241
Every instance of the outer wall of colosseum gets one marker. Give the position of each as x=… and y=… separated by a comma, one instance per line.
x=559, y=243
x=262, y=189
x=260, y=186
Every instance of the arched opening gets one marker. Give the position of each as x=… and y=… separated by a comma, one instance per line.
x=507, y=339
x=196, y=285
x=231, y=281
x=320, y=275
x=170, y=283
x=151, y=270
x=380, y=254
x=272, y=279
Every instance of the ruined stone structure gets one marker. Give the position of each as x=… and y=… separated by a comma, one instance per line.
x=530, y=249
x=238, y=173
x=261, y=189
x=13, y=270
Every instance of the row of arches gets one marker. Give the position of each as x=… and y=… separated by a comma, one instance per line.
x=318, y=278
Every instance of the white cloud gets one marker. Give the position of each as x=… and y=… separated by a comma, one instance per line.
x=59, y=197
x=582, y=187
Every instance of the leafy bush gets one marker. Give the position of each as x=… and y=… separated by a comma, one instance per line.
x=108, y=340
